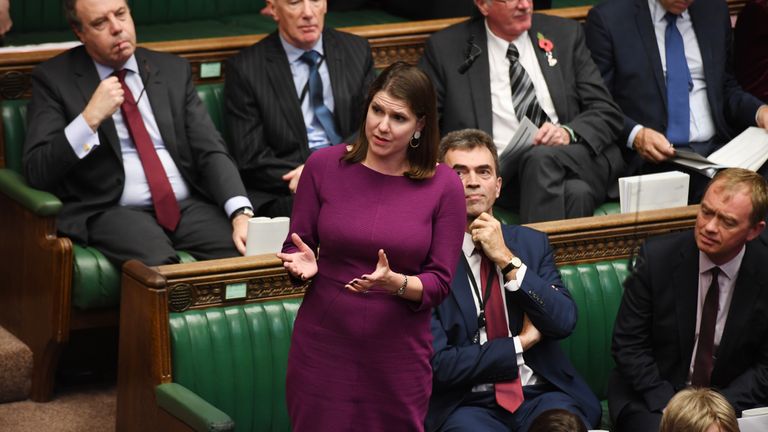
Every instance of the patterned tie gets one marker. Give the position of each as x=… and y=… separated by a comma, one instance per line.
x=679, y=84
x=705, y=352
x=509, y=394
x=523, y=92
x=163, y=198
x=322, y=113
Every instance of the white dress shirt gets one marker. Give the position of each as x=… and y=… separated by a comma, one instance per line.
x=300, y=71
x=702, y=123
x=527, y=377
x=505, y=121
x=729, y=272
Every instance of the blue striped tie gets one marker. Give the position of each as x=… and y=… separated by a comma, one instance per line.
x=322, y=113
x=679, y=84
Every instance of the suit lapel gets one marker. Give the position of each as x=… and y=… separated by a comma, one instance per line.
x=335, y=69
x=685, y=282
x=645, y=27
x=280, y=77
x=87, y=81
x=463, y=295
x=748, y=286
x=158, y=99
x=552, y=74
x=479, y=84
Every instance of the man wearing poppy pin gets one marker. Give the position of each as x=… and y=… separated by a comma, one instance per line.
x=493, y=71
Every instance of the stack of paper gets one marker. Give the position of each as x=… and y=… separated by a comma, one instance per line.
x=266, y=235
x=653, y=191
x=748, y=150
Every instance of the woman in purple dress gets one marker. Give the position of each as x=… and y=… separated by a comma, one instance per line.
x=377, y=226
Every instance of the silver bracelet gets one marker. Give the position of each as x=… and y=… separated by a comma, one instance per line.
x=401, y=291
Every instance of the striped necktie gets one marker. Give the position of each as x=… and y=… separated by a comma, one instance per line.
x=523, y=92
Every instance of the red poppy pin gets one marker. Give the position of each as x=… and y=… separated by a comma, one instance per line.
x=547, y=46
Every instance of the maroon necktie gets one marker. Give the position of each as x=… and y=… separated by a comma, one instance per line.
x=705, y=352
x=163, y=198
x=509, y=394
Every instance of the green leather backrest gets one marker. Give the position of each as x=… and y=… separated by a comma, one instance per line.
x=235, y=358
x=212, y=96
x=14, y=131
x=37, y=15
x=597, y=289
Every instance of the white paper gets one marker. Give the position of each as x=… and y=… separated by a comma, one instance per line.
x=522, y=139
x=749, y=150
x=653, y=191
x=266, y=235
x=757, y=423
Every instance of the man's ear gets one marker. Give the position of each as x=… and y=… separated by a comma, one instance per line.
x=482, y=6
x=756, y=230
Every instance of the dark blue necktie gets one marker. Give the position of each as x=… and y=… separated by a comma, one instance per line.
x=679, y=84
x=322, y=113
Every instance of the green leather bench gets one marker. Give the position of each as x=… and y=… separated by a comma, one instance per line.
x=228, y=362
x=38, y=21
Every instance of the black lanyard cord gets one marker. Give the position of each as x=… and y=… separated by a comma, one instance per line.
x=306, y=86
x=488, y=283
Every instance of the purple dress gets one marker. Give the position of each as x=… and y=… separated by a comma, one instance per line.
x=360, y=362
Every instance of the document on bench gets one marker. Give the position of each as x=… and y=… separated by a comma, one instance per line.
x=748, y=150
x=754, y=420
x=653, y=191
x=266, y=235
x=522, y=139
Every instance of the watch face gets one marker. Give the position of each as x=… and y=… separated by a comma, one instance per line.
x=516, y=262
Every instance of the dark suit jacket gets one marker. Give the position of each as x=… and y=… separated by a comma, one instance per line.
x=655, y=328
x=622, y=40
x=458, y=364
x=62, y=87
x=579, y=96
x=268, y=135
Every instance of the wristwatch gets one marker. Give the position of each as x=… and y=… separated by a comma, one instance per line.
x=514, y=264
x=242, y=210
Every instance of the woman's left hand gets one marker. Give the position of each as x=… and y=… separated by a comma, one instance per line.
x=382, y=277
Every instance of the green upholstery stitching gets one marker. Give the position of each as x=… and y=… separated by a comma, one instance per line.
x=235, y=358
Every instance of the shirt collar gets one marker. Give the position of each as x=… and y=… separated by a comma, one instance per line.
x=730, y=269
x=658, y=13
x=468, y=246
x=498, y=44
x=294, y=53
x=105, y=71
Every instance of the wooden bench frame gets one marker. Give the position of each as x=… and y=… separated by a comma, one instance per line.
x=149, y=293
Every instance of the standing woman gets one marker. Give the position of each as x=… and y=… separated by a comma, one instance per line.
x=388, y=223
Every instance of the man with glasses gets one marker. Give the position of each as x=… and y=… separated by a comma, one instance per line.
x=301, y=88
x=494, y=71
x=120, y=136
x=498, y=363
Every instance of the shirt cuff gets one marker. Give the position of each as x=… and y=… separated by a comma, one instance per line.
x=80, y=136
x=632, y=135
x=519, y=351
x=235, y=203
x=515, y=283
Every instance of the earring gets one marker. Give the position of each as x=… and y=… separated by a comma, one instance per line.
x=415, y=140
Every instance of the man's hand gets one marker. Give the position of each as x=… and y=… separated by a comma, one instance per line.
x=104, y=102
x=529, y=335
x=292, y=177
x=551, y=135
x=653, y=146
x=486, y=233
x=240, y=232
x=762, y=117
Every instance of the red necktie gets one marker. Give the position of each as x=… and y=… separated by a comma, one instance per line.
x=705, y=352
x=509, y=394
x=163, y=198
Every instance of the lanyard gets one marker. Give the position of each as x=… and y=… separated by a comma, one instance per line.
x=306, y=85
x=482, y=300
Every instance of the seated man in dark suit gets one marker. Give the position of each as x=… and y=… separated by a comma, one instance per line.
x=301, y=88
x=497, y=363
x=519, y=64
x=694, y=309
x=696, y=103
x=120, y=136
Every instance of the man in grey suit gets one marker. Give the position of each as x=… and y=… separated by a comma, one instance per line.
x=120, y=136
x=518, y=64
x=282, y=103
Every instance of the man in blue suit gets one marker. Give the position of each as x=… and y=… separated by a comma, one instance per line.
x=472, y=362
x=696, y=102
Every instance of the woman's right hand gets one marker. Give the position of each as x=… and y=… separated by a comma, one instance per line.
x=301, y=264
